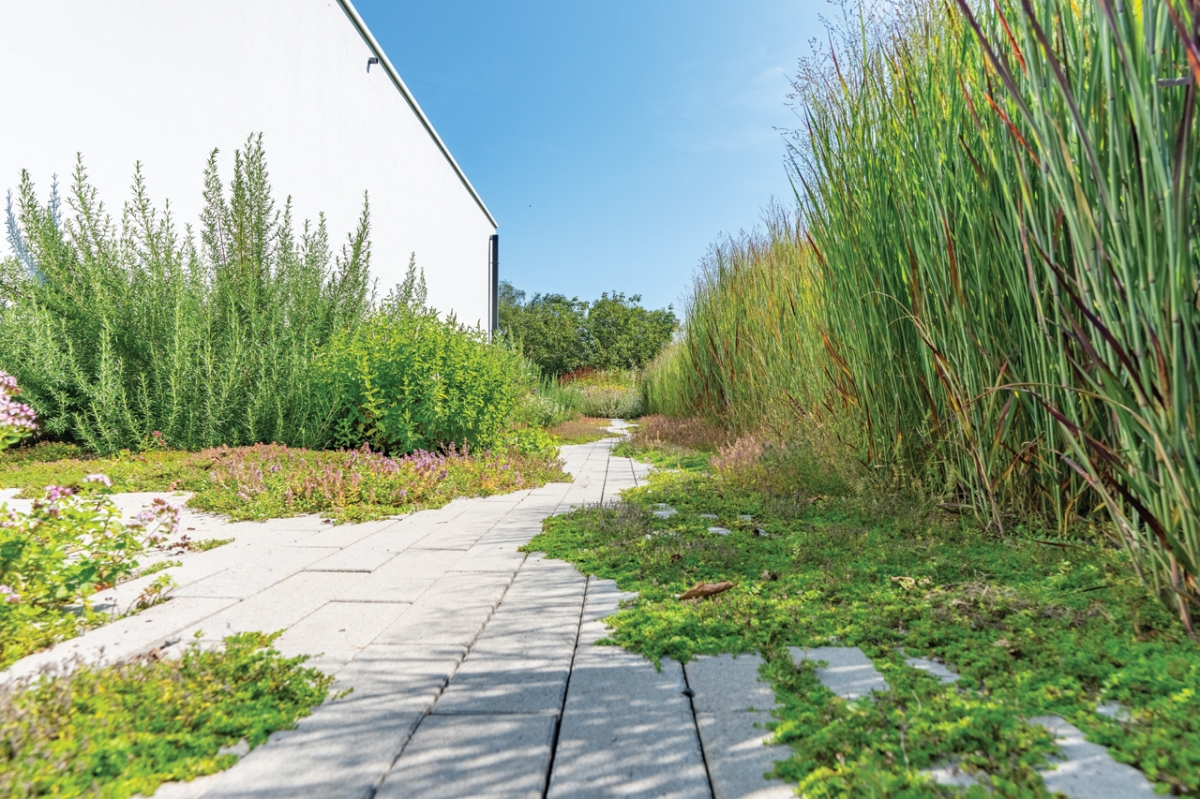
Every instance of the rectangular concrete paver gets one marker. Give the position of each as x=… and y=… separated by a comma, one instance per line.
x=403, y=578
x=627, y=730
x=849, y=673
x=507, y=684
x=369, y=553
x=732, y=709
x=452, y=611
x=344, y=535
x=278, y=607
x=344, y=749
x=248, y=577
x=1087, y=770
x=469, y=757
x=336, y=632
x=737, y=757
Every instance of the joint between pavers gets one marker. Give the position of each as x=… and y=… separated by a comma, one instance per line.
x=441, y=691
x=691, y=699
x=566, y=690
x=494, y=713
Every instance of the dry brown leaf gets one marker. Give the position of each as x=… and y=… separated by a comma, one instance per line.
x=705, y=590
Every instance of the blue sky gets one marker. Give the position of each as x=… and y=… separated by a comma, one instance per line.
x=612, y=141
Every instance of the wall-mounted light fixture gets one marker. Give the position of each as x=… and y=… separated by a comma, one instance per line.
x=370, y=61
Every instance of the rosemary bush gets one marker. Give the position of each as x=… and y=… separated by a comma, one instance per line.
x=118, y=330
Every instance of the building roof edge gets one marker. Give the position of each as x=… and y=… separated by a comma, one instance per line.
x=365, y=32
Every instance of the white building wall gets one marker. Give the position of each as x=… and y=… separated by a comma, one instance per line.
x=165, y=81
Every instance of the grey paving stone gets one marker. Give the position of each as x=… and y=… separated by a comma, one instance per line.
x=724, y=683
x=1088, y=771
x=1114, y=710
x=544, y=583
x=603, y=598
x=336, y=632
x=248, y=577
x=343, y=535
x=452, y=611
x=435, y=623
x=404, y=578
x=737, y=757
x=277, y=607
x=627, y=730
x=373, y=551
x=491, y=556
x=516, y=630
x=938, y=670
x=729, y=700
x=401, y=670
x=342, y=751
x=487, y=684
x=490, y=757
x=455, y=537
x=850, y=673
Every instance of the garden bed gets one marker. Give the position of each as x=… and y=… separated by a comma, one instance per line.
x=274, y=481
x=125, y=729
x=1034, y=625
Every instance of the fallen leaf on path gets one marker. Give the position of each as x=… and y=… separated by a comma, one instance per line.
x=704, y=590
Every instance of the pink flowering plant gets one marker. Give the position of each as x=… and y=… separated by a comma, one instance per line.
x=71, y=544
x=16, y=420
x=271, y=480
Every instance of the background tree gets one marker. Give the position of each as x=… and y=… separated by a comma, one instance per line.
x=563, y=335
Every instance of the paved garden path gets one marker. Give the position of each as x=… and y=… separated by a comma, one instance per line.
x=472, y=665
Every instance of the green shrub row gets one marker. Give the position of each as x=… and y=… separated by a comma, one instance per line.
x=246, y=330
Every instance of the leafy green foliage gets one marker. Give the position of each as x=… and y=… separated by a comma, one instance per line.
x=119, y=332
x=273, y=481
x=53, y=558
x=565, y=335
x=120, y=730
x=405, y=380
x=1034, y=626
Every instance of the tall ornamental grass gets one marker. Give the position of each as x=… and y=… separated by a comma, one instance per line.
x=993, y=279
x=121, y=329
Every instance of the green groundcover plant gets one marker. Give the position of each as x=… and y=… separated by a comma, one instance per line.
x=1033, y=624
x=272, y=481
x=120, y=730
